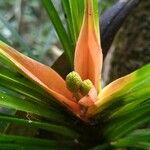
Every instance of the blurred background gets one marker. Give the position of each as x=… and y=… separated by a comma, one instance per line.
x=30, y=21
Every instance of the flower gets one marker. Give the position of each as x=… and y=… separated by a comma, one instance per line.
x=81, y=92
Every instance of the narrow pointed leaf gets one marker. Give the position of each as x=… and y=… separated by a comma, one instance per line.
x=57, y=129
x=121, y=125
x=62, y=34
x=74, y=15
x=11, y=142
x=17, y=83
x=137, y=139
x=10, y=101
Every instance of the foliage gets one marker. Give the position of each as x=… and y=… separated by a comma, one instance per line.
x=120, y=120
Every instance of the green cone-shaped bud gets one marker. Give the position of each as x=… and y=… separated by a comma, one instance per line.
x=73, y=81
x=86, y=86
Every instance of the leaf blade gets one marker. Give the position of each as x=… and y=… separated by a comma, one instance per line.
x=63, y=36
x=57, y=129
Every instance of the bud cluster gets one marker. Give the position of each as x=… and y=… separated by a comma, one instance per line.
x=75, y=84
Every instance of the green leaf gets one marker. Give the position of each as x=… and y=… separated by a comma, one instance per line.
x=130, y=120
x=26, y=105
x=103, y=146
x=15, y=85
x=128, y=107
x=10, y=142
x=16, y=82
x=57, y=129
x=62, y=34
x=74, y=11
x=137, y=139
x=6, y=62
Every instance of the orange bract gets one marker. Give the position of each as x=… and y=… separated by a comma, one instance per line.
x=41, y=74
x=88, y=53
